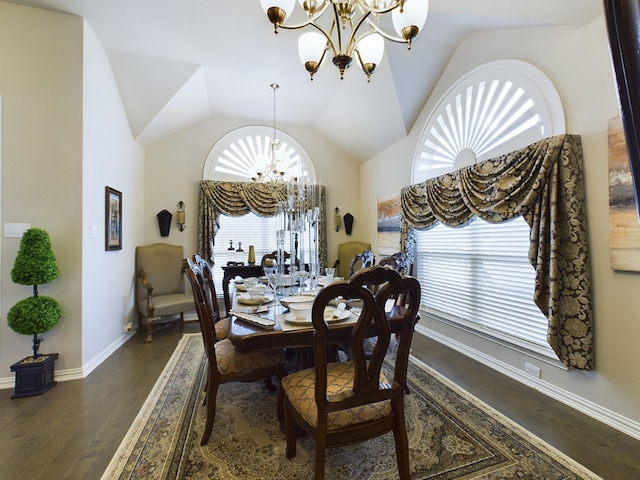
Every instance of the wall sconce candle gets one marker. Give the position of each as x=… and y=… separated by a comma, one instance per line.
x=337, y=219
x=180, y=216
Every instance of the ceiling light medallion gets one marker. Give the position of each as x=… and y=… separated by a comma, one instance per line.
x=344, y=34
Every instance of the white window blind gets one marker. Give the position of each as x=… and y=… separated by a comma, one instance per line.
x=249, y=229
x=479, y=275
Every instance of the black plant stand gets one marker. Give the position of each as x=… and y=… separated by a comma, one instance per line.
x=34, y=376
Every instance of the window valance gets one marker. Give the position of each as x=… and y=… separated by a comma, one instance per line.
x=239, y=198
x=544, y=183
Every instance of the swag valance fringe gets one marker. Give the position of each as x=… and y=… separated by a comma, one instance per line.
x=236, y=199
x=544, y=183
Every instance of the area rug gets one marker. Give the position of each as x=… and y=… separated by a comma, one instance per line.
x=452, y=435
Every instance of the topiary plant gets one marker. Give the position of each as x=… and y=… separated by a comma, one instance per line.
x=35, y=264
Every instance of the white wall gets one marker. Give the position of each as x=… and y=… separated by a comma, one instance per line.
x=110, y=158
x=41, y=85
x=65, y=138
x=174, y=168
x=576, y=59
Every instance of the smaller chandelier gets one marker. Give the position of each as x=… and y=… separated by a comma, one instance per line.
x=343, y=33
x=274, y=168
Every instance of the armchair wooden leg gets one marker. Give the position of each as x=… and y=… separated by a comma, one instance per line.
x=149, y=333
x=150, y=322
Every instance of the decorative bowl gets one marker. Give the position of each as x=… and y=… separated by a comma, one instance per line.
x=302, y=311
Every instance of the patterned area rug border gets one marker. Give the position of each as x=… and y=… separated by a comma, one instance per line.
x=453, y=435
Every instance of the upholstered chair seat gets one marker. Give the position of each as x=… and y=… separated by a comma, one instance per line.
x=232, y=362
x=299, y=388
x=171, y=304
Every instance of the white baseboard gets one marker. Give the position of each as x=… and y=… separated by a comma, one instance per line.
x=593, y=410
x=78, y=373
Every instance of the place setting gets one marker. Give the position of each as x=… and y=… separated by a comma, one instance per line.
x=299, y=315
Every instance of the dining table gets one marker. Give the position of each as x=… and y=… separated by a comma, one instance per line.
x=281, y=331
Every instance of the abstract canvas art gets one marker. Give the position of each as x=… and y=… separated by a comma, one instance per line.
x=389, y=224
x=624, y=227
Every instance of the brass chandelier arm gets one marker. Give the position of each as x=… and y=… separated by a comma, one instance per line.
x=311, y=21
x=364, y=7
x=388, y=36
x=343, y=31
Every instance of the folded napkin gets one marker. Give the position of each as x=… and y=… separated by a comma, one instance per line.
x=261, y=309
x=256, y=320
x=249, y=299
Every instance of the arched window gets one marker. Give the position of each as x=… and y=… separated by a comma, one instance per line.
x=479, y=276
x=238, y=156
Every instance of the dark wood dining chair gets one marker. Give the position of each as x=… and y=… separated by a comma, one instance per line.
x=224, y=363
x=342, y=403
x=362, y=260
x=273, y=256
x=220, y=323
x=399, y=261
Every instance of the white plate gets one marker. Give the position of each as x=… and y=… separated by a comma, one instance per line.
x=322, y=281
x=328, y=317
x=247, y=299
x=300, y=298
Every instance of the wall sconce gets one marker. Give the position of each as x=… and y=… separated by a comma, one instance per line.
x=180, y=216
x=337, y=219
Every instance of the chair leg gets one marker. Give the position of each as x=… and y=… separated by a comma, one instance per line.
x=402, y=445
x=321, y=451
x=290, y=432
x=269, y=384
x=212, y=392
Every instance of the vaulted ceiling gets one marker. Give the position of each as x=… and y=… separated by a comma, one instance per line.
x=179, y=62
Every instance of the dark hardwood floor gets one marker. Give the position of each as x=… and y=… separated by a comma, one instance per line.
x=73, y=430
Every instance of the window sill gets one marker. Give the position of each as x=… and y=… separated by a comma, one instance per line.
x=540, y=353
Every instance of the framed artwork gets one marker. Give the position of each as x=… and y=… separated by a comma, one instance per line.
x=389, y=224
x=624, y=229
x=623, y=26
x=113, y=219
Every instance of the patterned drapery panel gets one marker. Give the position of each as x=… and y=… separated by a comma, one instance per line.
x=544, y=183
x=239, y=198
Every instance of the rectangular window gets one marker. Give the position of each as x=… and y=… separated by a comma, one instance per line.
x=479, y=277
x=249, y=229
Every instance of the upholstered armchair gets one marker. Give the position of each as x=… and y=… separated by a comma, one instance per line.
x=346, y=252
x=160, y=289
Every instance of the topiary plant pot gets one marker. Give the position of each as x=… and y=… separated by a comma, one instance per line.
x=34, y=376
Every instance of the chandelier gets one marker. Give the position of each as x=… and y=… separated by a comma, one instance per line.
x=275, y=169
x=350, y=29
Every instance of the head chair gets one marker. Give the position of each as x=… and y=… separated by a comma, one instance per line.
x=399, y=262
x=273, y=257
x=362, y=260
